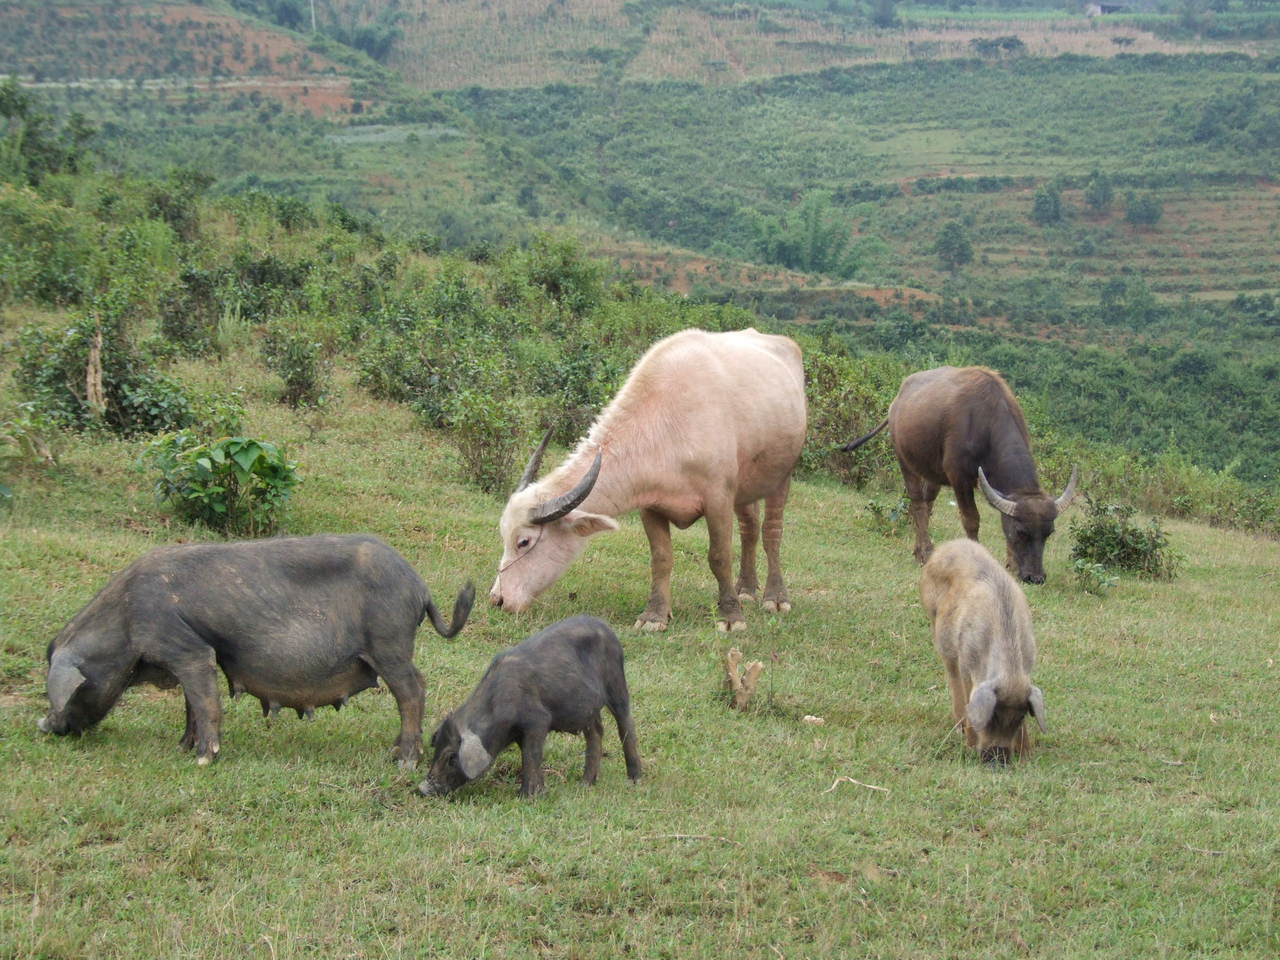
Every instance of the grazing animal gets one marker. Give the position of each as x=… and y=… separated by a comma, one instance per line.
x=298, y=622
x=558, y=679
x=982, y=631
x=707, y=425
x=961, y=427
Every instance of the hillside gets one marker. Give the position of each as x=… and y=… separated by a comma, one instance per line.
x=1142, y=825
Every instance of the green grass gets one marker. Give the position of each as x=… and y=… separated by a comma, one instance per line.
x=1144, y=825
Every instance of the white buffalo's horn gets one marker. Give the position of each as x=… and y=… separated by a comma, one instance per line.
x=994, y=497
x=1068, y=494
x=535, y=462
x=557, y=508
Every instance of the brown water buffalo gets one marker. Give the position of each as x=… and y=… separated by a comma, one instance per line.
x=707, y=425
x=961, y=427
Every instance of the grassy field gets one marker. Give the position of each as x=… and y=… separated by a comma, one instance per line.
x=1144, y=825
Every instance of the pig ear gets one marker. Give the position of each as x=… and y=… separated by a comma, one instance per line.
x=473, y=758
x=589, y=524
x=64, y=680
x=1037, y=707
x=982, y=705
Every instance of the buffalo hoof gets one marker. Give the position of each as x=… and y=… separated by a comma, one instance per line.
x=727, y=626
x=776, y=606
x=650, y=625
x=746, y=597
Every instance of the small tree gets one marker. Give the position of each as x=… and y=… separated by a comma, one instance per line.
x=1047, y=205
x=1098, y=192
x=1143, y=209
x=953, y=247
x=884, y=14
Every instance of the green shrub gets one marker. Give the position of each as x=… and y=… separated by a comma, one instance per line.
x=889, y=522
x=491, y=436
x=300, y=360
x=235, y=485
x=1094, y=577
x=847, y=397
x=1107, y=536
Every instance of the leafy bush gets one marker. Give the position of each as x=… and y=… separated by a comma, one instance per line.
x=490, y=434
x=300, y=361
x=889, y=521
x=847, y=397
x=235, y=485
x=1094, y=577
x=1108, y=536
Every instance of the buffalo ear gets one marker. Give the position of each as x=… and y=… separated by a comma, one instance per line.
x=1037, y=707
x=589, y=524
x=982, y=705
x=64, y=680
x=473, y=758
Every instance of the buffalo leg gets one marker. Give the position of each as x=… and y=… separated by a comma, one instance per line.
x=968, y=510
x=531, y=779
x=921, y=493
x=658, y=610
x=775, y=591
x=720, y=557
x=405, y=683
x=749, y=528
x=595, y=749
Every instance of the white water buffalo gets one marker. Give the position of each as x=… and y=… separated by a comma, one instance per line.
x=707, y=424
x=962, y=427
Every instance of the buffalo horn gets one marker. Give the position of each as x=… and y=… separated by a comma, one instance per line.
x=535, y=462
x=557, y=508
x=994, y=497
x=64, y=681
x=1068, y=494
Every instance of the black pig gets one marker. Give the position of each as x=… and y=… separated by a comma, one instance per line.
x=298, y=622
x=555, y=680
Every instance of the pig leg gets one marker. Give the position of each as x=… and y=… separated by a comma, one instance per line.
x=531, y=779
x=405, y=683
x=959, y=701
x=775, y=591
x=189, y=736
x=595, y=749
x=619, y=704
x=749, y=528
x=719, y=518
x=658, y=610
x=199, y=680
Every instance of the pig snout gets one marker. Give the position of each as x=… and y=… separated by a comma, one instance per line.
x=429, y=788
x=996, y=756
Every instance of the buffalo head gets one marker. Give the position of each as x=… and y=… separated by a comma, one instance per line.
x=542, y=535
x=1027, y=520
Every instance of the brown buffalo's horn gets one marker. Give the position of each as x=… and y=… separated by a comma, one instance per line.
x=557, y=508
x=535, y=462
x=1068, y=494
x=994, y=497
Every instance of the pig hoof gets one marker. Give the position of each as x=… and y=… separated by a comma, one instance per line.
x=204, y=761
